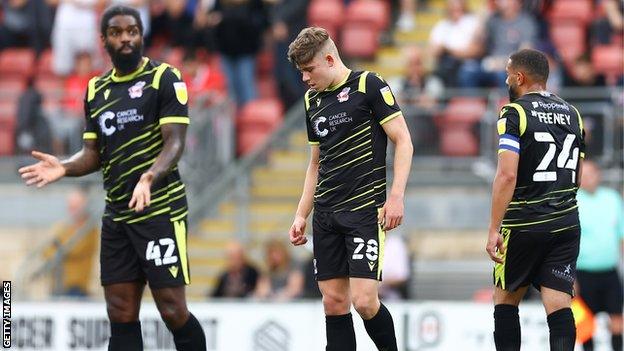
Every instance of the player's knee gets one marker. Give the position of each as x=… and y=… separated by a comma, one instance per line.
x=335, y=304
x=366, y=305
x=174, y=315
x=121, y=311
x=616, y=324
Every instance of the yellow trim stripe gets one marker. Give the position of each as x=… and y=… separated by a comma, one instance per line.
x=394, y=115
x=179, y=228
x=306, y=100
x=522, y=115
x=174, y=119
x=89, y=136
x=366, y=204
x=349, y=138
x=381, y=238
x=159, y=72
x=582, y=155
x=334, y=87
x=91, y=89
x=362, y=82
x=580, y=119
x=129, y=76
x=313, y=142
x=179, y=217
x=153, y=214
x=499, y=268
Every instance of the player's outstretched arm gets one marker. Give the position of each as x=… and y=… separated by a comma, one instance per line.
x=174, y=135
x=502, y=192
x=391, y=214
x=297, y=230
x=50, y=169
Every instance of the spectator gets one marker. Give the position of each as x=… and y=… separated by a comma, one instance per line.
x=612, y=23
x=76, y=83
x=288, y=18
x=396, y=268
x=601, y=213
x=407, y=10
x=204, y=79
x=26, y=23
x=507, y=31
x=239, y=26
x=240, y=278
x=581, y=73
x=282, y=280
x=75, y=274
x=451, y=40
x=419, y=92
x=171, y=20
x=75, y=30
x=32, y=131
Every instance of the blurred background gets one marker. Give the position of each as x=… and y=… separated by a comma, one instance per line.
x=246, y=151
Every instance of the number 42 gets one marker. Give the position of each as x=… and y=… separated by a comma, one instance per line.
x=563, y=161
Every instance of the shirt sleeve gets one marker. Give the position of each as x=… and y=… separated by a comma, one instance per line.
x=313, y=138
x=172, y=98
x=508, y=126
x=381, y=99
x=91, y=124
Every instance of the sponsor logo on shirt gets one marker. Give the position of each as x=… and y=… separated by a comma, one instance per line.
x=136, y=91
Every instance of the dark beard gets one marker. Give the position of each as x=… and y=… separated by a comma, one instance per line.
x=125, y=63
x=512, y=94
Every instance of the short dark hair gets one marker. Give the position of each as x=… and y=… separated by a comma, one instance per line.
x=119, y=10
x=532, y=62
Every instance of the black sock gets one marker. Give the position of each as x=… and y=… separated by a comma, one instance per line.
x=562, y=330
x=125, y=337
x=190, y=337
x=340, y=333
x=381, y=330
x=616, y=342
x=588, y=345
x=506, y=328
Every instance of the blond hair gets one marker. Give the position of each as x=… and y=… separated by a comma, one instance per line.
x=307, y=44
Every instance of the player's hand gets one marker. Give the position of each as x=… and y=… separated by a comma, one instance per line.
x=297, y=231
x=141, y=196
x=494, y=245
x=49, y=169
x=391, y=214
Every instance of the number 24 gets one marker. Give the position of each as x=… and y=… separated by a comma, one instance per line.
x=563, y=161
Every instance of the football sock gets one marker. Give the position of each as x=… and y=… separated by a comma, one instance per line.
x=616, y=342
x=506, y=328
x=190, y=337
x=126, y=337
x=588, y=345
x=340, y=333
x=562, y=330
x=380, y=328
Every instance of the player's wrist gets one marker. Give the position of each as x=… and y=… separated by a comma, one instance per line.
x=147, y=177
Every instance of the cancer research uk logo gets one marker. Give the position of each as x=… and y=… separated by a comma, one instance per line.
x=316, y=126
x=121, y=118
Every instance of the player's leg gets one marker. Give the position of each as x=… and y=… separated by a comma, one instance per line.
x=507, y=334
x=123, y=302
x=556, y=278
x=164, y=261
x=331, y=272
x=338, y=319
x=123, y=283
x=615, y=302
x=590, y=289
x=186, y=329
x=377, y=319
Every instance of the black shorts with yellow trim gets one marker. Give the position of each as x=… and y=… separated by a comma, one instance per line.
x=538, y=258
x=153, y=250
x=348, y=244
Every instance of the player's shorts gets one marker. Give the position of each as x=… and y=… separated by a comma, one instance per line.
x=541, y=259
x=348, y=244
x=602, y=291
x=153, y=250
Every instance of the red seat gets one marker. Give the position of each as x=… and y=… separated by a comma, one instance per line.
x=7, y=135
x=267, y=88
x=249, y=140
x=359, y=40
x=44, y=64
x=572, y=10
x=608, y=59
x=11, y=87
x=261, y=114
x=17, y=62
x=458, y=142
x=463, y=112
x=569, y=39
x=326, y=14
x=371, y=12
x=264, y=62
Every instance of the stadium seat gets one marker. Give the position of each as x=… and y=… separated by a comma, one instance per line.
x=264, y=63
x=608, y=60
x=458, y=143
x=571, y=10
x=267, y=88
x=11, y=87
x=327, y=14
x=249, y=140
x=463, y=112
x=372, y=12
x=261, y=114
x=7, y=135
x=44, y=64
x=569, y=38
x=17, y=62
x=359, y=40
